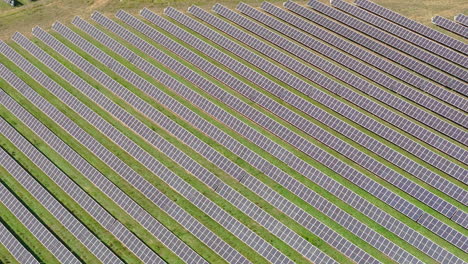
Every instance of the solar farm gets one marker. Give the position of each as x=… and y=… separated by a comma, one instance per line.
x=295, y=132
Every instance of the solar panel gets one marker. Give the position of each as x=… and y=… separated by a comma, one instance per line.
x=147, y=221
x=244, y=128
x=410, y=37
x=308, y=108
x=461, y=19
x=413, y=25
x=375, y=46
x=451, y=26
x=198, y=199
x=33, y=225
x=16, y=249
x=374, y=60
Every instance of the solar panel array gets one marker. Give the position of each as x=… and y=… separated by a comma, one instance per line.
x=384, y=50
x=287, y=135
x=223, y=247
x=19, y=252
x=367, y=191
x=185, y=161
x=228, y=193
x=242, y=176
x=372, y=59
x=316, y=112
x=461, y=19
x=413, y=25
x=198, y=199
x=451, y=26
x=132, y=58
x=268, y=168
x=99, y=99
x=413, y=38
x=345, y=76
x=156, y=228
x=84, y=200
x=255, y=135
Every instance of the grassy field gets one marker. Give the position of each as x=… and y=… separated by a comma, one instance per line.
x=45, y=12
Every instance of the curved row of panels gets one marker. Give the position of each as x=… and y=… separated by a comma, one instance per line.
x=272, y=135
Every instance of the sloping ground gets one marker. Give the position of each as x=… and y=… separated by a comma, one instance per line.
x=197, y=136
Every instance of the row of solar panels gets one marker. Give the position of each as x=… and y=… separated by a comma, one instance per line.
x=461, y=19
x=449, y=25
x=353, y=251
